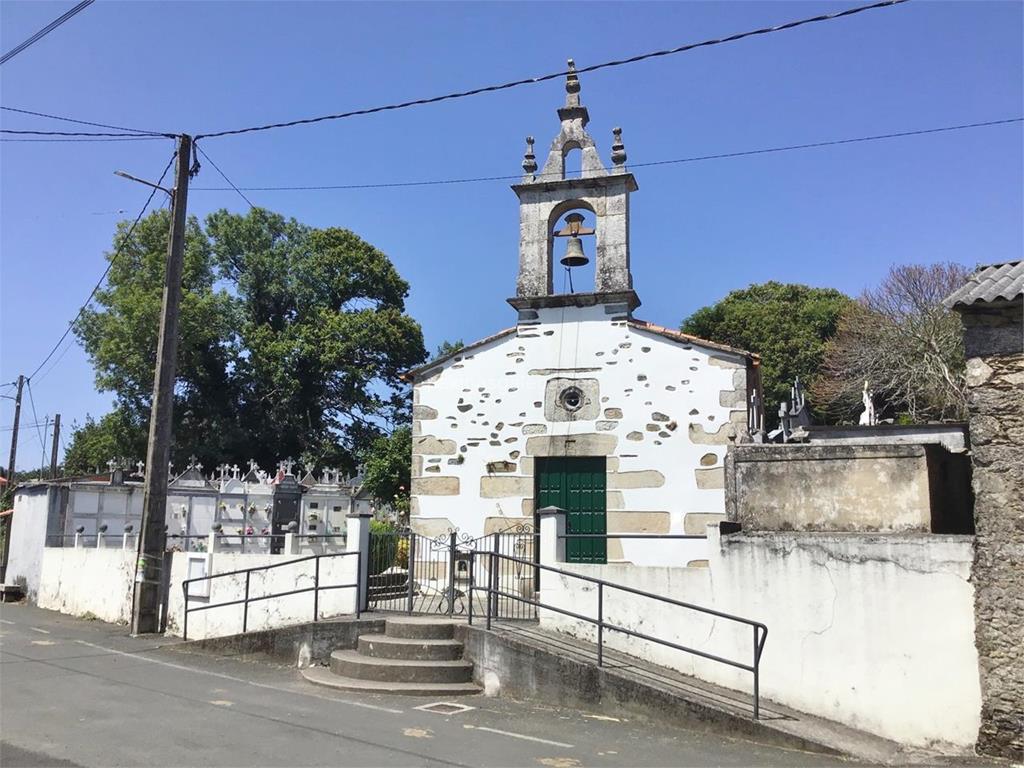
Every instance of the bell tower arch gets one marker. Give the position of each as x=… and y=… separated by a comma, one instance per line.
x=545, y=196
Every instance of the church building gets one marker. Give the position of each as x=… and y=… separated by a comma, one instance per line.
x=580, y=405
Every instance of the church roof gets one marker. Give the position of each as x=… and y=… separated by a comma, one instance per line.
x=414, y=373
x=994, y=282
x=685, y=338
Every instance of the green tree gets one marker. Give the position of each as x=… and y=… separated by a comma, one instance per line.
x=447, y=348
x=786, y=324
x=386, y=468
x=93, y=444
x=291, y=344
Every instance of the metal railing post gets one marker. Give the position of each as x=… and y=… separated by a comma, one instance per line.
x=451, y=574
x=245, y=604
x=757, y=669
x=600, y=624
x=495, y=564
x=359, y=580
x=411, y=569
x=184, y=628
x=316, y=589
x=472, y=555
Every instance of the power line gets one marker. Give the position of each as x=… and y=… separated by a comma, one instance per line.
x=698, y=158
x=81, y=122
x=78, y=133
x=124, y=241
x=86, y=140
x=562, y=73
x=45, y=31
x=224, y=176
x=35, y=418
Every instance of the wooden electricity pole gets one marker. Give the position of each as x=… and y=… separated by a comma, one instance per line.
x=56, y=445
x=148, y=572
x=7, y=520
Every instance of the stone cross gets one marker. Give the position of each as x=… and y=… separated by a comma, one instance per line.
x=287, y=465
x=112, y=465
x=140, y=467
x=235, y=470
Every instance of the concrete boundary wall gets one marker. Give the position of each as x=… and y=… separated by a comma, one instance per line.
x=874, y=632
x=88, y=582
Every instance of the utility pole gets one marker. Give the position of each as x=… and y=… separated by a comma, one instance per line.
x=7, y=519
x=148, y=572
x=56, y=444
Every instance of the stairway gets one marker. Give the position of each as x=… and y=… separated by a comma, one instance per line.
x=415, y=656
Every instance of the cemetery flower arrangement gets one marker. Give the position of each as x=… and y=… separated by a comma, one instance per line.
x=249, y=530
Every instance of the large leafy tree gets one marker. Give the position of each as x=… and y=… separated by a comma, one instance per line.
x=291, y=344
x=387, y=466
x=786, y=324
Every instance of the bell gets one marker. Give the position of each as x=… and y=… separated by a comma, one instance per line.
x=574, y=256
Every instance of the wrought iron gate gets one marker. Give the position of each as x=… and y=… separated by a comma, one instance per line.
x=413, y=573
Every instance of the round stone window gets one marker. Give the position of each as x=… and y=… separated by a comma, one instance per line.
x=571, y=398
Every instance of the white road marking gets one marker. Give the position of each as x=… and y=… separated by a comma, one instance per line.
x=518, y=736
x=234, y=679
x=43, y=642
x=40, y=631
x=5, y=621
x=222, y=703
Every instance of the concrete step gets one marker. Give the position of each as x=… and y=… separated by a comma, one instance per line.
x=419, y=628
x=324, y=676
x=384, y=647
x=354, y=664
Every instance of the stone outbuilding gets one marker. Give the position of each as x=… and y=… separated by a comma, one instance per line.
x=580, y=405
x=991, y=306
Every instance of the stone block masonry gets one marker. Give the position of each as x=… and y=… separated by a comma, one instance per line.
x=997, y=437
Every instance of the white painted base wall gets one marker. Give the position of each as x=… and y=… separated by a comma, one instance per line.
x=87, y=581
x=263, y=614
x=876, y=632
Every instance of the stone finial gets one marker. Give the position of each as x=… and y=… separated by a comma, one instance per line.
x=529, y=159
x=572, y=86
x=618, y=148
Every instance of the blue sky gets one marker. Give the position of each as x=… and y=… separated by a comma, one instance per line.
x=836, y=216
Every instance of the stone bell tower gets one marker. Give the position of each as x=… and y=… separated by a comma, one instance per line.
x=545, y=197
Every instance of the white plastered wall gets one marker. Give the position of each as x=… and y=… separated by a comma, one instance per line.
x=873, y=631
x=665, y=410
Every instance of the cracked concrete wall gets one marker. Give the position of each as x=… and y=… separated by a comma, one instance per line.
x=995, y=376
x=88, y=581
x=873, y=631
x=487, y=414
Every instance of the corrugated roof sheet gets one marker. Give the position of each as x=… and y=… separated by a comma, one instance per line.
x=995, y=282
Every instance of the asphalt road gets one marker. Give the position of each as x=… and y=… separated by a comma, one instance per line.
x=74, y=692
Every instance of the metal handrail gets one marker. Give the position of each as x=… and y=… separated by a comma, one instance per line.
x=492, y=592
x=632, y=536
x=315, y=589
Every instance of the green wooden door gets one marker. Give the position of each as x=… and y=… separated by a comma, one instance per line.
x=577, y=485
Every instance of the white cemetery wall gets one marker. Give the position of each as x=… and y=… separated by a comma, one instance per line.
x=28, y=536
x=86, y=581
x=662, y=412
x=873, y=631
x=263, y=614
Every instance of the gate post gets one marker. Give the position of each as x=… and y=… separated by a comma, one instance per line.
x=357, y=539
x=451, y=574
x=411, y=569
x=552, y=535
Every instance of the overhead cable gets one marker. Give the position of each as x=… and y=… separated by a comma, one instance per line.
x=81, y=122
x=45, y=31
x=223, y=175
x=556, y=176
x=124, y=241
x=554, y=75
